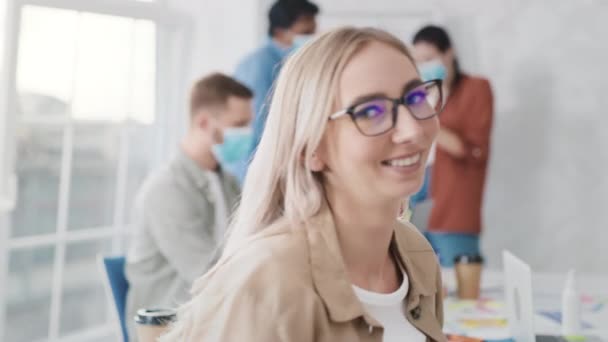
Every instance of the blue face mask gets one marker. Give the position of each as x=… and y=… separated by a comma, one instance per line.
x=432, y=70
x=233, y=152
x=299, y=40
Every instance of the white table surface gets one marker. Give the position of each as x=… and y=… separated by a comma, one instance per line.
x=547, y=289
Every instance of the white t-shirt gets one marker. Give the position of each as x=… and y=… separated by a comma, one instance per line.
x=387, y=308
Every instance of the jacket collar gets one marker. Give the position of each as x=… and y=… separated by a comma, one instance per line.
x=331, y=279
x=197, y=175
x=194, y=172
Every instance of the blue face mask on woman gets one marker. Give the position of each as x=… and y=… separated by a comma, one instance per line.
x=233, y=152
x=432, y=70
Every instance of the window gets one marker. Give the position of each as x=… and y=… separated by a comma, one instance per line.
x=84, y=119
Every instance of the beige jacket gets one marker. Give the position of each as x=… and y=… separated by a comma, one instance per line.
x=290, y=284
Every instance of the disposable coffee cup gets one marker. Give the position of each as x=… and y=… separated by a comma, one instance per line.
x=468, y=275
x=152, y=323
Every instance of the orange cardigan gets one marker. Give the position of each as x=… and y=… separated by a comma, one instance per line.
x=457, y=183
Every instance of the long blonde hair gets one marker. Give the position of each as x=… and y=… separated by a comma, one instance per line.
x=279, y=183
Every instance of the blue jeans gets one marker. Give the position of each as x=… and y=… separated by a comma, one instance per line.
x=450, y=245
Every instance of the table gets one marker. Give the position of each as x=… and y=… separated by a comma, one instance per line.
x=486, y=318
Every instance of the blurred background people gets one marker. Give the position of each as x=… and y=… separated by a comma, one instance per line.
x=291, y=24
x=183, y=209
x=463, y=147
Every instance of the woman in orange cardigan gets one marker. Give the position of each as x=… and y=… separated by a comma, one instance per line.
x=463, y=148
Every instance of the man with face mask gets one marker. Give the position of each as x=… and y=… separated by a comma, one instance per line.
x=292, y=23
x=182, y=210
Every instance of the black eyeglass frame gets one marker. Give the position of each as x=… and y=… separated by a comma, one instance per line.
x=350, y=111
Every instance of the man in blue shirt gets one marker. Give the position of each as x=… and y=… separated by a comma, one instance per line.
x=291, y=23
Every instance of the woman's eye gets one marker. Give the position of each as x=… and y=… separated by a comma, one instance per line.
x=370, y=112
x=416, y=97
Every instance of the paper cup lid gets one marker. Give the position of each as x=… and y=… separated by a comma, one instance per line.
x=155, y=316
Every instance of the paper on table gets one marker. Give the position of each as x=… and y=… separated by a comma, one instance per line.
x=478, y=323
x=556, y=316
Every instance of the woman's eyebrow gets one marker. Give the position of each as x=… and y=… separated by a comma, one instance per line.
x=413, y=83
x=363, y=98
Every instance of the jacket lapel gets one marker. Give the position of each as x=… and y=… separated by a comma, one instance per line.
x=419, y=262
x=329, y=271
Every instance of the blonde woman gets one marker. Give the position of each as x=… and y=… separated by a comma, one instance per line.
x=315, y=251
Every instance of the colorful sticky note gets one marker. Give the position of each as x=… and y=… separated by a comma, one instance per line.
x=476, y=323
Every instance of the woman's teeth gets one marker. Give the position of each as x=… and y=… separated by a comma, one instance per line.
x=402, y=162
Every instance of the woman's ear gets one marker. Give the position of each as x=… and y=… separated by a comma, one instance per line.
x=316, y=163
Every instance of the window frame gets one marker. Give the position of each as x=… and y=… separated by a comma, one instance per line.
x=172, y=31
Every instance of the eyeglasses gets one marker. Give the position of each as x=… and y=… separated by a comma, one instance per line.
x=378, y=115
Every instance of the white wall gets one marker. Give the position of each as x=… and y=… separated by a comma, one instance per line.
x=224, y=31
x=548, y=179
x=3, y=8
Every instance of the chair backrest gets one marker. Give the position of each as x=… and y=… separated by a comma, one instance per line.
x=114, y=269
